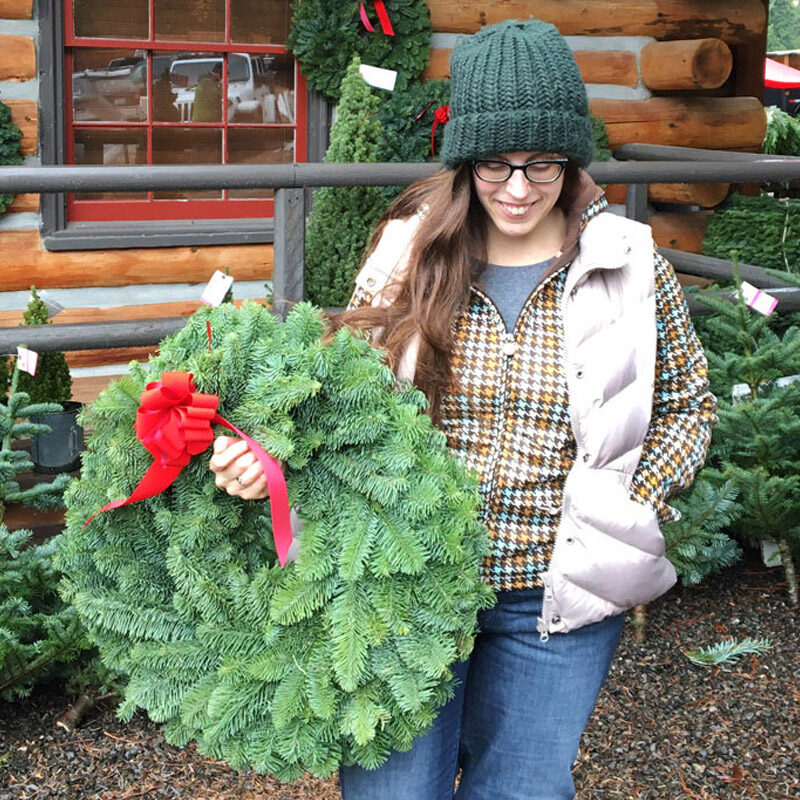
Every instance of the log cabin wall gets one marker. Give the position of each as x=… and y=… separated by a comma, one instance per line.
x=680, y=72
x=94, y=285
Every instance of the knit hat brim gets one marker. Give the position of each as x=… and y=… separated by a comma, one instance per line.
x=467, y=136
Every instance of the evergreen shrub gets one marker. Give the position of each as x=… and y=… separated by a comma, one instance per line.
x=10, y=155
x=343, y=217
x=38, y=632
x=763, y=230
x=756, y=444
x=344, y=654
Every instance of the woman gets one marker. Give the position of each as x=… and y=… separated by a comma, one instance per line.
x=556, y=352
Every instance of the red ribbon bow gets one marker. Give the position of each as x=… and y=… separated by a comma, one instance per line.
x=440, y=117
x=383, y=18
x=173, y=422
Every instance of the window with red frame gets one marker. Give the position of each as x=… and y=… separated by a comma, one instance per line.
x=180, y=82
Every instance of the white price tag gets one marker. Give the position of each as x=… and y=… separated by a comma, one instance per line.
x=378, y=77
x=27, y=359
x=757, y=300
x=216, y=289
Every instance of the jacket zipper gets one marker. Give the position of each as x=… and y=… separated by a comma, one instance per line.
x=509, y=348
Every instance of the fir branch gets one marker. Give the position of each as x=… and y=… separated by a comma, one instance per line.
x=724, y=653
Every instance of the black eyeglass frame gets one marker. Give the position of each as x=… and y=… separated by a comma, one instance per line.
x=562, y=162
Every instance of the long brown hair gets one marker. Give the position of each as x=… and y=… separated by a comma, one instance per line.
x=448, y=253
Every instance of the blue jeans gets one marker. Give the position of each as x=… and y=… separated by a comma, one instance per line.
x=516, y=720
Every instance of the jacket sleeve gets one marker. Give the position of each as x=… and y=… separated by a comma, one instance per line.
x=683, y=408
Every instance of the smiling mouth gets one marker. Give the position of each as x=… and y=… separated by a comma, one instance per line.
x=516, y=211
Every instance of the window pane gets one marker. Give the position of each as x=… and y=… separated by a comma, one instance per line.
x=109, y=85
x=111, y=19
x=260, y=21
x=279, y=78
x=259, y=146
x=111, y=147
x=187, y=146
x=190, y=20
x=196, y=82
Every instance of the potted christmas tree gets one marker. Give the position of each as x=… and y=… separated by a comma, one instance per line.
x=60, y=449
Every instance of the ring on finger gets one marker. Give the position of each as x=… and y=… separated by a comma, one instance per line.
x=240, y=481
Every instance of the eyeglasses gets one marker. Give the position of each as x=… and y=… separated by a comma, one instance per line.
x=539, y=171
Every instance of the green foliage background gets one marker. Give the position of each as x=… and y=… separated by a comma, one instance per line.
x=762, y=230
x=343, y=655
x=783, y=28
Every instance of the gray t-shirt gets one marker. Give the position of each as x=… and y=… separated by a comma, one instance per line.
x=509, y=287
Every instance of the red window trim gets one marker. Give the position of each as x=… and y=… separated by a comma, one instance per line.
x=141, y=210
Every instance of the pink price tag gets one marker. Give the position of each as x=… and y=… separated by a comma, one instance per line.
x=27, y=359
x=758, y=300
x=216, y=289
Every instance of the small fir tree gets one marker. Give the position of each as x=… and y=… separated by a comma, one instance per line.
x=52, y=382
x=756, y=444
x=38, y=631
x=342, y=218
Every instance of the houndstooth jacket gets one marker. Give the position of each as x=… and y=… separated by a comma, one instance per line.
x=579, y=423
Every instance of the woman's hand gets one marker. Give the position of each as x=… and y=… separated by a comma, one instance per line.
x=237, y=469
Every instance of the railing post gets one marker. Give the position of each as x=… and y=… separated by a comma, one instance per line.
x=636, y=202
x=289, y=250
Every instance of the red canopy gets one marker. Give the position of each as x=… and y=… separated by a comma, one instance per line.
x=780, y=76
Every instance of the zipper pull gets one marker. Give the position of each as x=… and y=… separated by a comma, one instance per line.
x=547, y=605
x=509, y=345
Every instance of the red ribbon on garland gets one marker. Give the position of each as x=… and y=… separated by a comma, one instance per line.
x=383, y=18
x=440, y=117
x=173, y=422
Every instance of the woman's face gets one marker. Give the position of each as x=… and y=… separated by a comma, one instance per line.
x=519, y=209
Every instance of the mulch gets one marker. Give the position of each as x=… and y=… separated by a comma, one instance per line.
x=663, y=729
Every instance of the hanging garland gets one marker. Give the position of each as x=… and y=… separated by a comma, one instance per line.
x=344, y=654
x=326, y=35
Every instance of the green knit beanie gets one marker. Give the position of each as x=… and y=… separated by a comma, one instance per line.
x=516, y=86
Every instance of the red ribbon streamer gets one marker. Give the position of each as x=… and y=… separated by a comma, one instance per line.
x=173, y=422
x=440, y=117
x=383, y=18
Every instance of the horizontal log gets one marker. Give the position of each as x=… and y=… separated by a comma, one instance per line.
x=712, y=122
x=438, y=64
x=25, y=263
x=680, y=230
x=692, y=64
x=116, y=313
x=733, y=22
x=116, y=355
x=26, y=114
x=24, y=202
x=16, y=9
x=17, y=58
x=617, y=67
x=705, y=195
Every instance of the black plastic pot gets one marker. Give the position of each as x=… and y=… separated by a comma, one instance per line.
x=59, y=450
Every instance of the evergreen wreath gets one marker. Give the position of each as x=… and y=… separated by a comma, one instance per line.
x=343, y=655
x=325, y=36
